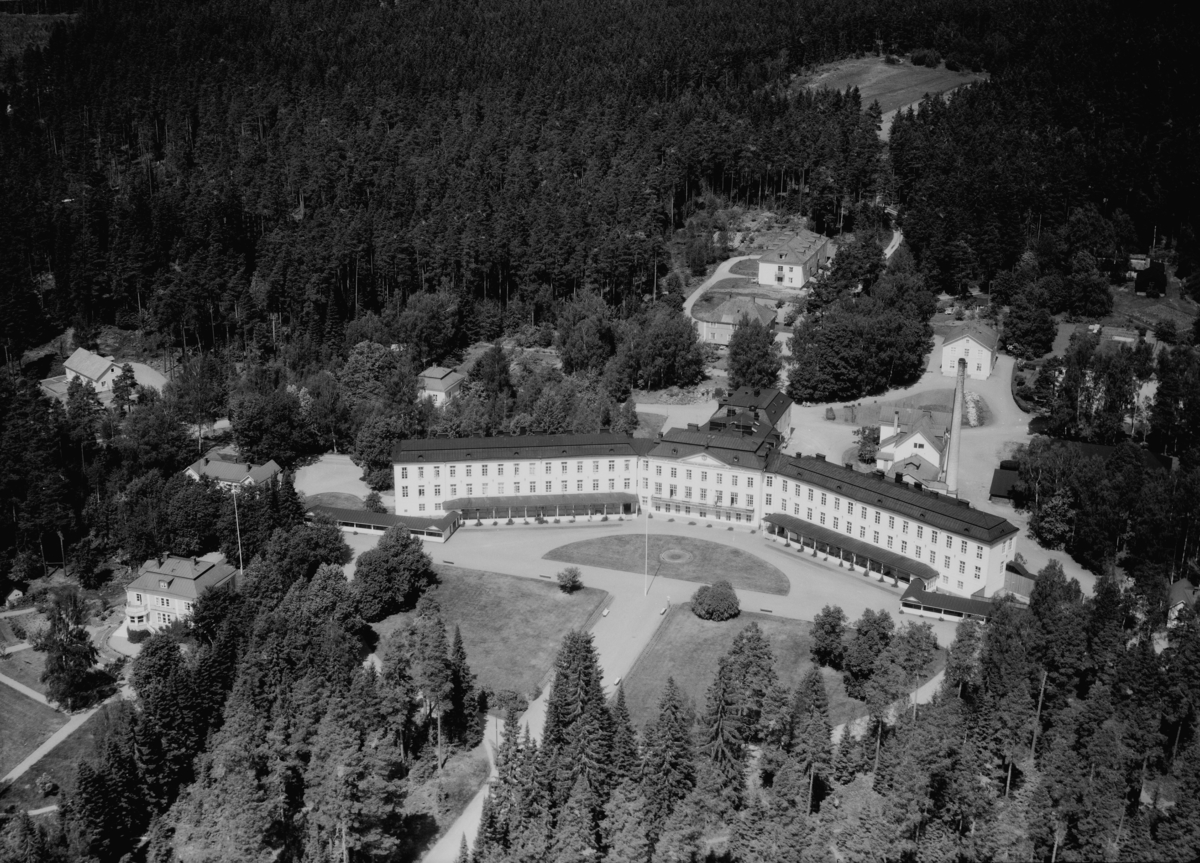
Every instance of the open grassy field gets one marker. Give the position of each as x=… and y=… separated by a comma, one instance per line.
x=25, y=666
x=337, y=499
x=703, y=561
x=24, y=726
x=893, y=86
x=688, y=648
x=746, y=268
x=59, y=764
x=511, y=627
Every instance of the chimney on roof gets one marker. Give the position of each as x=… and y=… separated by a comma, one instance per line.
x=899, y=478
x=206, y=461
x=820, y=456
x=849, y=465
x=248, y=467
x=195, y=561
x=955, y=430
x=693, y=427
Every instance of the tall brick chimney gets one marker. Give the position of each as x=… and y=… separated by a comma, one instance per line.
x=952, y=455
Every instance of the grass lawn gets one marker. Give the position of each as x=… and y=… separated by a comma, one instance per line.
x=25, y=666
x=893, y=86
x=24, y=726
x=748, y=267
x=337, y=499
x=511, y=627
x=649, y=424
x=60, y=763
x=688, y=648
x=709, y=561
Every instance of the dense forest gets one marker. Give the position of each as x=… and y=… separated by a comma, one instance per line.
x=301, y=205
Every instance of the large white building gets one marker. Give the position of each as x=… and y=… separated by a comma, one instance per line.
x=733, y=470
x=168, y=588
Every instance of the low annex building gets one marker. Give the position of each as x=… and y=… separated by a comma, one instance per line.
x=355, y=521
x=439, y=384
x=167, y=589
x=230, y=472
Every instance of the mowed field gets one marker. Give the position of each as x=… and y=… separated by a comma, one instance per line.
x=24, y=666
x=24, y=726
x=893, y=86
x=701, y=561
x=688, y=649
x=511, y=627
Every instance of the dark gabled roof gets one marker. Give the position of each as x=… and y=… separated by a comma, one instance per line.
x=933, y=509
x=383, y=520
x=981, y=333
x=935, y=601
x=770, y=401
x=519, y=447
x=184, y=576
x=736, y=450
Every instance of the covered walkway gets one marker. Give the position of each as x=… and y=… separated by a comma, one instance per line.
x=364, y=521
x=543, y=506
x=852, y=551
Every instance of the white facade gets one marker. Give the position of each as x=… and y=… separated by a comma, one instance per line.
x=155, y=608
x=788, y=275
x=421, y=489
x=981, y=358
x=965, y=564
x=704, y=487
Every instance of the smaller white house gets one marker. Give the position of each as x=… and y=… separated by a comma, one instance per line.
x=14, y=598
x=167, y=589
x=92, y=368
x=791, y=261
x=975, y=343
x=914, y=450
x=717, y=326
x=439, y=384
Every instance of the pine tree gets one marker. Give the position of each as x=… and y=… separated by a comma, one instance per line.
x=24, y=842
x=466, y=725
x=575, y=833
x=669, y=768
x=625, y=756
x=845, y=761
x=1179, y=833
x=721, y=735
x=87, y=815
x=623, y=829
x=431, y=670
x=752, y=671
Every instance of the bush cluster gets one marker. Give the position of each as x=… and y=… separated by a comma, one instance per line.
x=716, y=601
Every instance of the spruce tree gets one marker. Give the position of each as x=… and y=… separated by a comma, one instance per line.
x=577, y=737
x=464, y=855
x=752, y=671
x=24, y=842
x=88, y=816
x=575, y=833
x=722, y=741
x=669, y=767
x=1179, y=832
x=466, y=724
x=623, y=829
x=625, y=757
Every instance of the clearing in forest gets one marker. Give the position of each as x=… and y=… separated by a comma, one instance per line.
x=894, y=86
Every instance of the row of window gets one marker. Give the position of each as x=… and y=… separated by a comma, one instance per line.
x=863, y=512
x=718, y=495
x=435, y=471
x=530, y=487
x=688, y=472
x=163, y=602
x=684, y=509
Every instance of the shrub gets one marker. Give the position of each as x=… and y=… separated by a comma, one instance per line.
x=45, y=785
x=570, y=579
x=716, y=601
x=17, y=629
x=829, y=632
x=137, y=636
x=374, y=503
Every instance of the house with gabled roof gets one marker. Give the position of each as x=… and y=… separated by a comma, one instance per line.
x=717, y=326
x=168, y=588
x=90, y=368
x=976, y=343
x=439, y=384
x=913, y=449
x=791, y=261
x=231, y=472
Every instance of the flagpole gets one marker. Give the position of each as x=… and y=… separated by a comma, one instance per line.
x=646, y=572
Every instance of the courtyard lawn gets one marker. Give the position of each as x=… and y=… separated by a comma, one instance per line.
x=60, y=764
x=748, y=267
x=687, y=559
x=688, y=648
x=511, y=627
x=24, y=726
x=24, y=666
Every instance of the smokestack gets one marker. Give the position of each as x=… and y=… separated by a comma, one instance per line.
x=895, y=426
x=952, y=451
